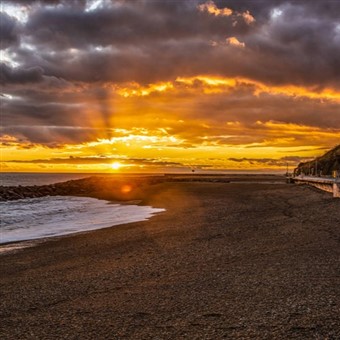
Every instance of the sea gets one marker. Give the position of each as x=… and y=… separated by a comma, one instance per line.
x=51, y=216
x=34, y=178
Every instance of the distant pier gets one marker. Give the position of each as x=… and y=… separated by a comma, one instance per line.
x=326, y=184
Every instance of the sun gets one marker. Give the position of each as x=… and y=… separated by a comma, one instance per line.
x=116, y=166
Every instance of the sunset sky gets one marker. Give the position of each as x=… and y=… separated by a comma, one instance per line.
x=165, y=85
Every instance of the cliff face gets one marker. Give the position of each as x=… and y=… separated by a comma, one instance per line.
x=323, y=165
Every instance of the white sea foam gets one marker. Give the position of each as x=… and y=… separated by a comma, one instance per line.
x=36, y=218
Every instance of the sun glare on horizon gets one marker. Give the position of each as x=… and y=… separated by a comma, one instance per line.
x=116, y=166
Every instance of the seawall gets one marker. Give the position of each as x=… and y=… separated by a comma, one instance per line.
x=331, y=185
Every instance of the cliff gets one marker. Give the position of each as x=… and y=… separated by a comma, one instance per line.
x=324, y=165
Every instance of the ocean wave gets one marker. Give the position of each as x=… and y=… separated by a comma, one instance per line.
x=37, y=218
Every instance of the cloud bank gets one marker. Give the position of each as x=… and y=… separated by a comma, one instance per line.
x=210, y=73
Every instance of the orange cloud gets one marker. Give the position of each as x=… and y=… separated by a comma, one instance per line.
x=134, y=89
x=211, y=8
x=247, y=17
x=235, y=42
x=215, y=84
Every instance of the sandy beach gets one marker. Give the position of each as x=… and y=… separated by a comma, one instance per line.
x=238, y=260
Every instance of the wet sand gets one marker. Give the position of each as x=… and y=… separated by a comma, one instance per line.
x=226, y=260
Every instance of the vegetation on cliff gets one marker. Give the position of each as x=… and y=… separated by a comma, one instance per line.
x=324, y=165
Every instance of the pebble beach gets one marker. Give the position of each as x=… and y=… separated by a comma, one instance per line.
x=229, y=258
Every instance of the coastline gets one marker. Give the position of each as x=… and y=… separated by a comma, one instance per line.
x=224, y=260
x=53, y=216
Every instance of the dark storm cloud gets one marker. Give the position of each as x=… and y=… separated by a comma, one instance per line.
x=147, y=41
x=305, y=44
x=8, y=31
x=9, y=75
x=262, y=9
x=37, y=2
x=124, y=24
x=249, y=108
x=63, y=44
x=122, y=42
x=38, y=113
x=50, y=136
x=51, y=102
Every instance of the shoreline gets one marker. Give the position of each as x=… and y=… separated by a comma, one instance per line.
x=224, y=261
x=58, y=216
x=77, y=186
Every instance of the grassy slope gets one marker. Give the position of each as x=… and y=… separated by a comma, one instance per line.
x=326, y=164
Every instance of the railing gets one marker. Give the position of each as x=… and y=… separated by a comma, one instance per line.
x=324, y=183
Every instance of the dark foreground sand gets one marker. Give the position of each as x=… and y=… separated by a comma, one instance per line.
x=226, y=260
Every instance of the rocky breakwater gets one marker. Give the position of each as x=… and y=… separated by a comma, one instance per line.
x=100, y=187
x=120, y=188
x=8, y=193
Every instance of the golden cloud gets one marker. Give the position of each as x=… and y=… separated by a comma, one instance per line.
x=211, y=8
